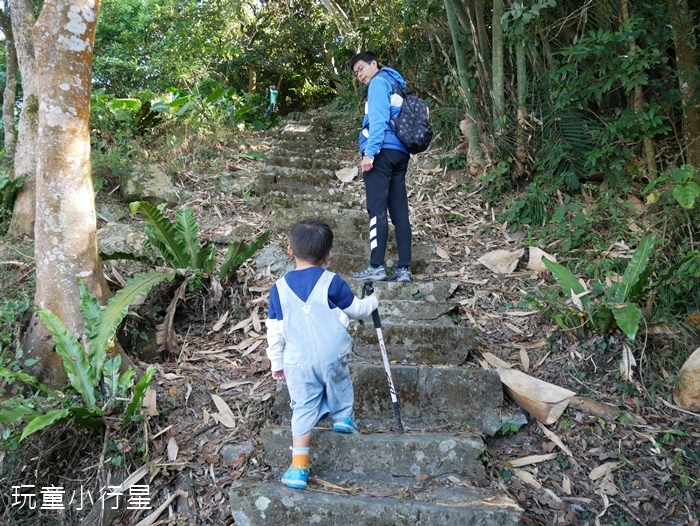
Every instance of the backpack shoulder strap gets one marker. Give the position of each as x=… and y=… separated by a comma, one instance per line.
x=396, y=88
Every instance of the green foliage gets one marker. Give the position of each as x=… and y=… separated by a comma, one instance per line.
x=237, y=253
x=8, y=190
x=93, y=370
x=179, y=246
x=509, y=428
x=12, y=310
x=682, y=183
x=530, y=208
x=605, y=305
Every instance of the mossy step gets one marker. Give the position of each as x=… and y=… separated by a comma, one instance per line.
x=259, y=503
x=381, y=457
x=406, y=342
x=307, y=162
x=462, y=397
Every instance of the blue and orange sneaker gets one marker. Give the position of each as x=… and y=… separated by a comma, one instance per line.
x=346, y=426
x=296, y=477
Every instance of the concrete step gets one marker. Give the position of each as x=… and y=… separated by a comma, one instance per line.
x=298, y=131
x=309, y=183
x=412, y=343
x=307, y=162
x=317, y=176
x=347, y=260
x=304, y=147
x=285, y=199
x=382, y=457
x=413, y=312
x=461, y=397
x=346, y=224
x=417, y=290
x=260, y=503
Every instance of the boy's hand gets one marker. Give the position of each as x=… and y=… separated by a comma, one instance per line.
x=278, y=375
x=375, y=293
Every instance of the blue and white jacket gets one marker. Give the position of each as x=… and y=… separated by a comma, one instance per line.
x=380, y=107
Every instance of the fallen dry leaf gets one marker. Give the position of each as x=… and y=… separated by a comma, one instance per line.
x=347, y=174
x=502, y=261
x=225, y=415
x=604, y=469
x=172, y=449
x=527, y=477
x=149, y=403
x=531, y=459
x=442, y=253
x=627, y=363
x=217, y=326
x=535, y=259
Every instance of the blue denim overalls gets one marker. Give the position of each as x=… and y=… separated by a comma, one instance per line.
x=316, y=353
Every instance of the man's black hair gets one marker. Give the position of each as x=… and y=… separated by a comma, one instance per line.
x=365, y=56
x=311, y=240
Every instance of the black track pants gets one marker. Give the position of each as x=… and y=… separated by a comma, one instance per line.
x=385, y=186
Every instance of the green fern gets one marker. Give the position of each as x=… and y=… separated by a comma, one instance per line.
x=238, y=253
x=117, y=307
x=186, y=226
x=87, y=369
x=80, y=373
x=163, y=235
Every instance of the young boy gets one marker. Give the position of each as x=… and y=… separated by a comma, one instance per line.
x=308, y=342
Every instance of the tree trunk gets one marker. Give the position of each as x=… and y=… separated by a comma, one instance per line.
x=339, y=17
x=484, y=43
x=22, y=223
x=65, y=232
x=8, y=96
x=252, y=79
x=638, y=104
x=477, y=160
x=688, y=76
x=499, y=106
x=521, y=153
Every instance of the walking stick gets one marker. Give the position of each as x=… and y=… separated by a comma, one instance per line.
x=368, y=289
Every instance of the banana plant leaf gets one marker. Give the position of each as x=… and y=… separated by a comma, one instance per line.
x=635, y=269
x=628, y=317
x=80, y=374
x=566, y=279
x=117, y=307
x=666, y=274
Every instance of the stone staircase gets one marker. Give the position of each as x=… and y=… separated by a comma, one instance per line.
x=433, y=473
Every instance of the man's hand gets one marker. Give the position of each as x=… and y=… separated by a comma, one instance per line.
x=278, y=375
x=367, y=164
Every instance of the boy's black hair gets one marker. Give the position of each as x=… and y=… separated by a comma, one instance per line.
x=311, y=240
x=365, y=56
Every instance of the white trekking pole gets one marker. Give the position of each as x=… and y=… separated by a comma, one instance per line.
x=368, y=289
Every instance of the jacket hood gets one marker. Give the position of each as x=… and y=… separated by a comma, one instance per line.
x=394, y=75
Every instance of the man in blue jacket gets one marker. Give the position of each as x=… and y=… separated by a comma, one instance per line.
x=384, y=164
